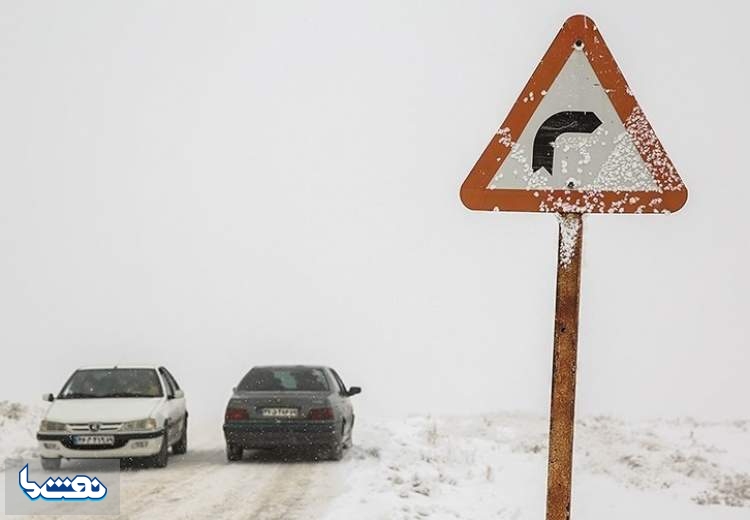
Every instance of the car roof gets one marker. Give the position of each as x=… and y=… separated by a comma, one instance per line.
x=277, y=367
x=110, y=367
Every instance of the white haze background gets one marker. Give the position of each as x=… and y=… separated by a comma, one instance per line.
x=216, y=185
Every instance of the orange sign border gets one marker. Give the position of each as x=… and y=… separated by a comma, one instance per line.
x=672, y=192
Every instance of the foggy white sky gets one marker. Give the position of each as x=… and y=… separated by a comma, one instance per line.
x=216, y=185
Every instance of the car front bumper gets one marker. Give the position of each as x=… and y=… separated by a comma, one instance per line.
x=60, y=445
x=272, y=434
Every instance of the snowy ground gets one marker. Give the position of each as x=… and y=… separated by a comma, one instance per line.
x=478, y=467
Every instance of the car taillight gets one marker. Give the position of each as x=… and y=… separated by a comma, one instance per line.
x=236, y=414
x=320, y=414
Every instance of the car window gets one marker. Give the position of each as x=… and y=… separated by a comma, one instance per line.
x=167, y=382
x=284, y=379
x=112, y=382
x=339, y=382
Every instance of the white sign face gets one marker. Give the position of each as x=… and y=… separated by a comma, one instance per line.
x=576, y=131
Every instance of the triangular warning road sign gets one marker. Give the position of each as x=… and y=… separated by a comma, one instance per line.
x=575, y=141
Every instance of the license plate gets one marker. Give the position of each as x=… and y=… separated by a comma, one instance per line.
x=279, y=412
x=94, y=440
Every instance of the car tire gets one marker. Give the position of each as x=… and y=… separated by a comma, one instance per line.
x=336, y=452
x=52, y=464
x=180, y=447
x=234, y=452
x=160, y=459
x=349, y=442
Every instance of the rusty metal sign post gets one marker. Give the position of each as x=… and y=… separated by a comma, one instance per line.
x=565, y=355
x=575, y=142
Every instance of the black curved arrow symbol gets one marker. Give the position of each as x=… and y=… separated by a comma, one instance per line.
x=554, y=126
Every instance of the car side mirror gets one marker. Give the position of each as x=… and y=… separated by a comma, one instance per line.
x=178, y=394
x=354, y=390
x=48, y=397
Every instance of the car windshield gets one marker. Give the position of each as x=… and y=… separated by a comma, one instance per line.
x=112, y=382
x=284, y=379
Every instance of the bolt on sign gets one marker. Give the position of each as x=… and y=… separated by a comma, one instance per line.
x=576, y=141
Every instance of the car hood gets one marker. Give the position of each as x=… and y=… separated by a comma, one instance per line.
x=101, y=410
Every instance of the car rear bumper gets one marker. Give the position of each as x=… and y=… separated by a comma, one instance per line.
x=60, y=445
x=297, y=434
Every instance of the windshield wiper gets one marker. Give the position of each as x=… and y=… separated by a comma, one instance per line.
x=78, y=395
x=128, y=394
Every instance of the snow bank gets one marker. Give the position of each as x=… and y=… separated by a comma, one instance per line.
x=494, y=466
x=442, y=467
x=18, y=427
x=709, y=462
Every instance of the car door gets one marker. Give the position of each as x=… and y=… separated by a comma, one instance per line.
x=345, y=402
x=174, y=407
x=179, y=401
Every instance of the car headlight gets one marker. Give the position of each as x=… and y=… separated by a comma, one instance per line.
x=51, y=426
x=141, y=424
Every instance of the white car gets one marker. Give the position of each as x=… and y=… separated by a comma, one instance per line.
x=114, y=413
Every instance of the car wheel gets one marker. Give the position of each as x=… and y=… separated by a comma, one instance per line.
x=234, y=452
x=160, y=459
x=349, y=442
x=180, y=447
x=336, y=452
x=51, y=464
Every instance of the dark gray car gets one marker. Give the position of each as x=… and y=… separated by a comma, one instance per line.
x=290, y=407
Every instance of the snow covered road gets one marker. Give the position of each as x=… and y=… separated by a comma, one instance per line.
x=202, y=484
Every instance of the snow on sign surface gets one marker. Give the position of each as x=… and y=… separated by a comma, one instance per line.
x=576, y=140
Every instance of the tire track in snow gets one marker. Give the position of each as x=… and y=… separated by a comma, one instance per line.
x=169, y=492
x=261, y=487
x=285, y=494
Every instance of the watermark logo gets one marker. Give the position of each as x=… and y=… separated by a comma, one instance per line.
x=31, y=489
x=81, y=487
